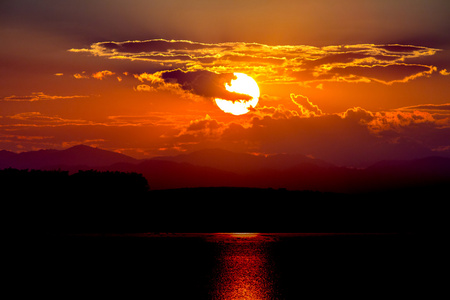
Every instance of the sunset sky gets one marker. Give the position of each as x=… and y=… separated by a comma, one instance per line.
x=350, y=82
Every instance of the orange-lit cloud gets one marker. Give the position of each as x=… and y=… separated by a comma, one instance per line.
x=306, y=106
x=35, y=130
x=102, y=74
x=200, y=130
x=353, y=137
x=144, y=88
x=81, y=75
x=277, y=64
x=395, y=120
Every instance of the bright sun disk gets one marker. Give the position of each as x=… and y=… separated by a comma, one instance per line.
x=243, y=84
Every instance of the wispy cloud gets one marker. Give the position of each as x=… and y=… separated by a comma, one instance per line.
x=37, y=119
x=40, y=96
x=307, y=107
x=429, y=107
x=100, y=75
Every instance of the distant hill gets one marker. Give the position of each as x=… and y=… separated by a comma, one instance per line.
x=405, y=177
x=242, y=162
x=432, y=164
x=80, y=155
x=220, y=168
x=162, y=174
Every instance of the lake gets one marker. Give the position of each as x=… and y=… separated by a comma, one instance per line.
x=225, y=266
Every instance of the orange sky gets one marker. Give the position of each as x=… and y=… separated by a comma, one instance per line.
x=350, y=82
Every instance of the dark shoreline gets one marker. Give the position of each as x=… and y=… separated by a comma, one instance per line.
x=235, y=210
x=118, y=202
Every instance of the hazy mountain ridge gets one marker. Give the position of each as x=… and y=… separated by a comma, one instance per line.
x=79, y=155
x=215, y=167
x=242, y=162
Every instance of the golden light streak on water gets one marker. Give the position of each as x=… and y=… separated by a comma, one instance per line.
x=244, y=269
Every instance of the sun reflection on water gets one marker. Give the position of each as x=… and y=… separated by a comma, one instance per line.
x=244, y=269
x=243, y=234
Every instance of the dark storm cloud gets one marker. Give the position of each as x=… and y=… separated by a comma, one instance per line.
x=190, y=83
x=204, y=83
x=400, y=48
x=387, y=73
x=165, y=58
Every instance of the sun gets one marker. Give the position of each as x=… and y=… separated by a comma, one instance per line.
x=243, y=84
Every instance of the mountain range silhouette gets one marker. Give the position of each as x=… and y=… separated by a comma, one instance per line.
x=78, y=156
x=221, y=168
x=85, y=189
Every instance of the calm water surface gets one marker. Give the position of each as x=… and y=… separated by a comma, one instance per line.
x=229, y=266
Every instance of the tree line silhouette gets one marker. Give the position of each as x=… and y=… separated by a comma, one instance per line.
x=85, y=184
x=95, y=201
x=85, y=201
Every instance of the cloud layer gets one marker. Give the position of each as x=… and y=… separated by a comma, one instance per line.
x=355, y=137
x=386, y=64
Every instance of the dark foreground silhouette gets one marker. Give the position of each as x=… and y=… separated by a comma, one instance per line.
x=44, y=208
x=92, y=201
